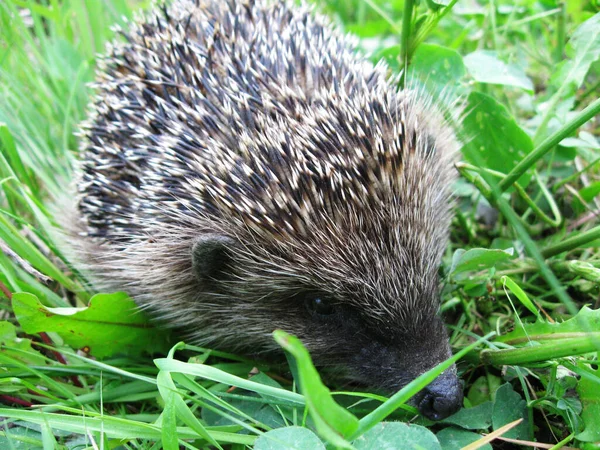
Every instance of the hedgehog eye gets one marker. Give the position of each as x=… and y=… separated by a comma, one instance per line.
x=319, y=304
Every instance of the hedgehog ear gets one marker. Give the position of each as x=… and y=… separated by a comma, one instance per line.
x=211, y=254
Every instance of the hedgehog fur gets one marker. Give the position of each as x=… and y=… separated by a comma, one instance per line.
x=244, y=170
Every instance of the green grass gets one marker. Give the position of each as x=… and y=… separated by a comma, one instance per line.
x=522, y=274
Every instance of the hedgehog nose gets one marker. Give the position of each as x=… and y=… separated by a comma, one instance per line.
x=442, y=398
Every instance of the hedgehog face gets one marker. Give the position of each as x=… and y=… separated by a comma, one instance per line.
x=358, y=331
x=384, y=354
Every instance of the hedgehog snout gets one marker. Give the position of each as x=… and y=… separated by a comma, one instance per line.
x=442, y=398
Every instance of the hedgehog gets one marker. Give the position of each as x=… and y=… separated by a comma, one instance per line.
x=244, y=169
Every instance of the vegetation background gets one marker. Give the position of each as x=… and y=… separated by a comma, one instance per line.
x=522, y=275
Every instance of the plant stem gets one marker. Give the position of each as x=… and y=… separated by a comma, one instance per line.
x=560, y=33
x=545, y=352
x=493, y=24
x=578, y=239
x=564, y=442
x=552, y=140
x=405, y=55
x=430, y=23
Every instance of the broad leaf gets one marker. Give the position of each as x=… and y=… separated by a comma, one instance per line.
x=493, y=139
x=454, y=439
x=542, y=330
x=289, y=438
x=22, y=346
x=583, y=50
x=395, y=435
x=509, y=406
x=475, y=418
x=477, y=259
x=589, y=393
x=485, y=67
x=439, y=69
x=111, y=324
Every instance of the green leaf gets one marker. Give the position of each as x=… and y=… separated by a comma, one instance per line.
x=9, y=150
x=395, y=435
x=545, y=341
x=24, y=353
x=493, y=137
x=477, y=259
x=293, y=438
x=584, y=140
x=240, y=408
x=111, y=324
x=272, y=413
x=439, y=69
x=520, y=294
x=113, y=427
x=48, y=438
x=591, y=191
x=485, y=67
x=391, y=55
x=476, y=418
x=545, y=331
x=333, y=422
x=220, y=376
x=435, y=6
x=175, y=406
x=583, y=50
x=29, y=252
x=508, y=407
x=570, y=74
x=20, y=438
x=454, y=439
x=589, y=393
x=483, y=389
